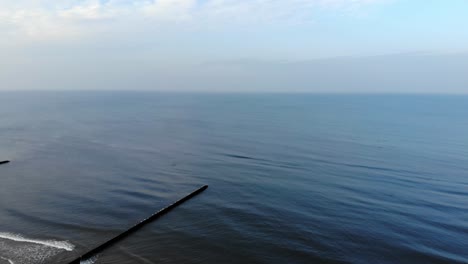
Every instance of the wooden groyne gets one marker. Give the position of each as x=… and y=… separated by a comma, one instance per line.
x=136, y=227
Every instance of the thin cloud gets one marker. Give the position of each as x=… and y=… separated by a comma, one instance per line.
x=46, y=18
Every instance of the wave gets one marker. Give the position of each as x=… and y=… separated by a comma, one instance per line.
x=65, y=245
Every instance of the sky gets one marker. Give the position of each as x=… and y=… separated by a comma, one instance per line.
x=381, y=46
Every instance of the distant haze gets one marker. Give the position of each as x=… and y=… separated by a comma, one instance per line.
x=383, y=46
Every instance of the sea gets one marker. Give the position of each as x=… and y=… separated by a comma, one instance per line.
x=293, y=178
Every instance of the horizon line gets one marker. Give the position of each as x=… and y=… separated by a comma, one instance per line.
x=233, y=92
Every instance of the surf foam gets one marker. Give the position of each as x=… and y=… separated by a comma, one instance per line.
x=65, y=245
x=89, y=261
x=9, y=260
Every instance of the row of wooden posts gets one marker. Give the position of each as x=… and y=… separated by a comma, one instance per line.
x=134, y=228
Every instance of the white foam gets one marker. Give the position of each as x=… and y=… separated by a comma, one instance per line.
x=65, y=245
x=89, y=261
x=9, y=260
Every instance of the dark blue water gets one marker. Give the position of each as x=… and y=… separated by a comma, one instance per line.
x=293, y=178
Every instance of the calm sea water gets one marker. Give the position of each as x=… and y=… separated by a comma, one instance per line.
x=293, y=178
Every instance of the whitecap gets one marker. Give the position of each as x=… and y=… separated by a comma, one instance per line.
x=89, y=261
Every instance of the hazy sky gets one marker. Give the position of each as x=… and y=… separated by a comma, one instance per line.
x=235, y=45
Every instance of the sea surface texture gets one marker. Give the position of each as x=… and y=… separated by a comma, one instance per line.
x=293, y=178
